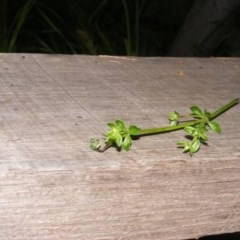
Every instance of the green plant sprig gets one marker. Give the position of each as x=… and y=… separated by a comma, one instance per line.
x=197, y=124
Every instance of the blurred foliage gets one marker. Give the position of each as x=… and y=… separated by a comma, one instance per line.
x=120, y=27
x=123, y=27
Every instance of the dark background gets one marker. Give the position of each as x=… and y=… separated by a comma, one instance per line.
x=121, y=27
x=226, y=236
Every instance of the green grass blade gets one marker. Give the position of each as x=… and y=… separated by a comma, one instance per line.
x=45, y=47
x=55, y=28
x=20, y=19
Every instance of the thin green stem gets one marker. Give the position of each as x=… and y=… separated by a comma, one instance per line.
x=224, y=108
x=150, y=131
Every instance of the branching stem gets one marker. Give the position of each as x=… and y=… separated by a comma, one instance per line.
x=202, y=121
x=215, y=114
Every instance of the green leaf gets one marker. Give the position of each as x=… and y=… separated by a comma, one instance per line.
x=196, y=111
x=173, y=116
x=201, y=127
x=127, y=143
x=195, y=145
x=114, y=135
x=214, y=126
x=207, y=114
x=173, y=123
x=112, y=125
x=185, y=145
x=190, y=146
x=120, y=125
x=189, y=129
x=118, y=140
x=133, y=130
x=204, y=137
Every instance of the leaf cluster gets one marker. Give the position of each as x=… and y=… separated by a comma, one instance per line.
x=198, y=132
x=118, y=135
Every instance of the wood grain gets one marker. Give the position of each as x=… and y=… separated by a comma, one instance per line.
x=52, y=186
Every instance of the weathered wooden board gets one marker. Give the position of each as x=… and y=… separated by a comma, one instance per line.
x=52, y=186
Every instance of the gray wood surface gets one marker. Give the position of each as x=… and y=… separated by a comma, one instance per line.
x=52, y=186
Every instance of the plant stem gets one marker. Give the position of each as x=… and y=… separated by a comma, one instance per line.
x=224, y=108
x=150, y=131
x=218, y=112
